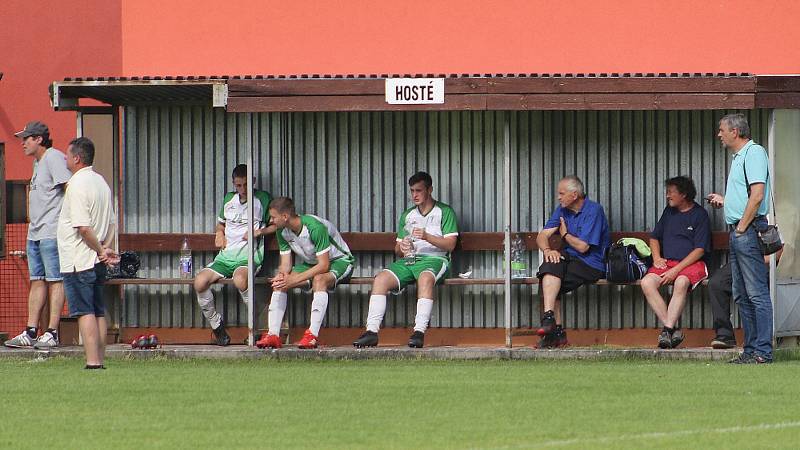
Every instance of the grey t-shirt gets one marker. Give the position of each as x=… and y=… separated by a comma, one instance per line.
x=46, y=194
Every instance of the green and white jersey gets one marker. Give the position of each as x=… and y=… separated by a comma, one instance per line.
x=318, y=236
x=440, y=221
x=233, y=214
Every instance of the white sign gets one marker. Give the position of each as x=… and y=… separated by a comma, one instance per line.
x=414, y=91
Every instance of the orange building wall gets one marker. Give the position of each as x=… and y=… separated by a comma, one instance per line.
x=437, y=36
x=43, y=41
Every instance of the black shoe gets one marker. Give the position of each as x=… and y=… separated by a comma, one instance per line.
x=743, y=358
x=677, y=338
x=547, y=341
x=221, y=337
x=416, y=340
x=560, y=338
x=665, y=340
x=548, y=324
x=368, y=339
x=758, y=359
x=723, y=342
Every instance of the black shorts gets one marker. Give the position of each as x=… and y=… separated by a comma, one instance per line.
x=573, y=273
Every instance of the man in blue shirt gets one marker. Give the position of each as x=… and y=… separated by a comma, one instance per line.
x=680, y=242
x=746, y=206
x=582, y=226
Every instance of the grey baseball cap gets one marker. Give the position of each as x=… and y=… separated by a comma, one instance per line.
x=34, y=128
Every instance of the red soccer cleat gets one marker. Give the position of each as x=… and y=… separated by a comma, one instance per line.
x=269, y=341
x=308, y=341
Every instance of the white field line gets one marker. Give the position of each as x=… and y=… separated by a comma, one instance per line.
x=654, y=435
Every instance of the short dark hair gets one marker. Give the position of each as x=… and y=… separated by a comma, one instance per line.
x=46, y=141
x=421, y=176
x=283, y=205
x=83, y=148
x=240, y=171
x=684, y=185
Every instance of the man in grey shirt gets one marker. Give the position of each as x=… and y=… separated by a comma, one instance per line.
x=50, y=175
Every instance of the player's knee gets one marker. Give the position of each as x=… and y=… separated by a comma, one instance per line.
x=382, y=283
x=682, y=283
x=201, y=283
x=320, y=282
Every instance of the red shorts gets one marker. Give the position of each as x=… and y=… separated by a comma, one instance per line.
x=696, y=272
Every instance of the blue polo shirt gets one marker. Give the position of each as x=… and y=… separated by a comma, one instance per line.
x=589, y=225
x=681, y=232
x=754, y=157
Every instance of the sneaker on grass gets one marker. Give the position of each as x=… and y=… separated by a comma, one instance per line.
x=368, y=339
x=677, y=338
x=417, y=339
x=665, y=340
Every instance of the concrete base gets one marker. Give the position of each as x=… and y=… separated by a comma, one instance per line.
x=385, y=353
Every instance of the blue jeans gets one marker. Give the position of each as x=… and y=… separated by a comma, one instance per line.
x=751, y=290
x=84, y=291
x=43, y=260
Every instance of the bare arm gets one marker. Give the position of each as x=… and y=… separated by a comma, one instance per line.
x=323, y=265
x=543, y=242
x=693, y=256
x=576, y=243
x=658, y=260
x=219, y=236
x=753, y=202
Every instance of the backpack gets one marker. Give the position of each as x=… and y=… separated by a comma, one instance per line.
x=623, y=263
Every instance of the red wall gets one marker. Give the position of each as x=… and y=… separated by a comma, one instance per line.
x=47, y=40
x=43, y=41
x=436, y=36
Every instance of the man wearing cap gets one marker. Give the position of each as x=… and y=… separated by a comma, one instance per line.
x=50, y=175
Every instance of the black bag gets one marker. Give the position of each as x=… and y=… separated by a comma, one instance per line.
x=623, y=264
x=769, y=239
x=128, y=266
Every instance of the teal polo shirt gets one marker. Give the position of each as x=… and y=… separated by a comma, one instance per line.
x=754, y=157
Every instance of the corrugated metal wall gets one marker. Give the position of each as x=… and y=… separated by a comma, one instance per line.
x=352, y=168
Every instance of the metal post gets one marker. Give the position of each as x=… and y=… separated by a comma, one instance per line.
x=250, y=248
x=507, y=224
x=773, y=286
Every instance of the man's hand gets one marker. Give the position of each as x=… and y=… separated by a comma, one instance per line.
x=669, y=276
x=562, y=229
x=659, y=262
x=279, y=281
x=406, y=246
x=552, y=256
x=419, y=233
x=256, y=234
x=219, y=240
x=716, y=200
x=108, y=256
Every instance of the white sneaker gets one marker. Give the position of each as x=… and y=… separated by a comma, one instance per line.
x=21, y=341
x=47, y=340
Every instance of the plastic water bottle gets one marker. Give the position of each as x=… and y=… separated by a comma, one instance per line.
x=411, y=256
x=519, y=269
x=185, y=259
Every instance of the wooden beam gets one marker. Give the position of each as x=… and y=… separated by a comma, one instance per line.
x=323, y=103
x=368, y=241
x=779, y=100
x=778, y=83
x=627, y=85
x=338, y=87
x=660, y=101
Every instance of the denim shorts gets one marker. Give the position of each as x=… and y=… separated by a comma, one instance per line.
x=84, y=291
x=43, y=260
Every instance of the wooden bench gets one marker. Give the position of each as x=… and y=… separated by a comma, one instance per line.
x=359, y=242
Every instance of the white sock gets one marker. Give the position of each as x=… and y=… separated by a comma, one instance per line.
x=277, y=306
x=377, y=308
x=206, y=301
x=245, y=296
x=318, y=307
x=423, y=318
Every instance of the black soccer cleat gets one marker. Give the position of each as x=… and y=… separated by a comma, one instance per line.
x=221, y=337
x=677, y=338
x=560, y=337
x=368, y=339
x=417, y=339
x=665, y=340
x=548, y=324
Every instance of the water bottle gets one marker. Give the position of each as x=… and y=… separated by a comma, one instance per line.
x=185, y=259
x=411, y=256
x=519, y=269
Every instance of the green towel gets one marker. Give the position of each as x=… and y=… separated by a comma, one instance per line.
x=641, y=246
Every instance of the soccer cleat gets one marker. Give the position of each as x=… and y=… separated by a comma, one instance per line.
x=758, y=359
x=664, y=340
x=677, y=338
x=20, y=341
x=221, y=337
x=269, y=341
x=547, y=341
x=308, y=340
x=548, y=324
x=417, y=339
x=743, y=358
x=723, y=342
x=46, y=341
x=368, y=339
x=560, y=338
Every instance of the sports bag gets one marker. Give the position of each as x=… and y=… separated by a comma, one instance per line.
x=623, y=262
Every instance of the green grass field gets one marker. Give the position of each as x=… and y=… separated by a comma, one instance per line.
x=168, y=404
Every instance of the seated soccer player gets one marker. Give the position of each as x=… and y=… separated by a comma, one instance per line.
x=679, y=241
x=231, y=238
x=426, y=235
x=323, y=261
